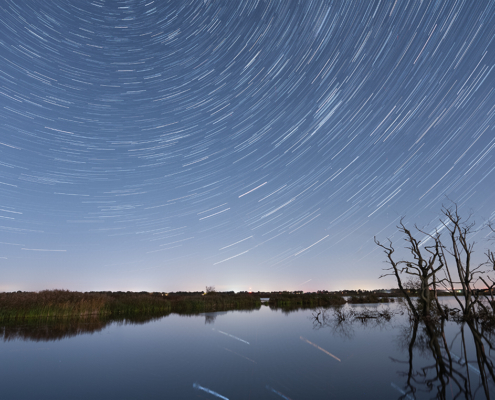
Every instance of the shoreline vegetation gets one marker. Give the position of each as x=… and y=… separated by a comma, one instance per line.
x=69, y=304
x=425, y=275
x=18, y=306
x=58, y=314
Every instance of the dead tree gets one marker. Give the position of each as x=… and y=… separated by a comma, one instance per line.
x=454, y=257
x=425, y=264
x=490, y=287
x=461, y=253
x=210, y=290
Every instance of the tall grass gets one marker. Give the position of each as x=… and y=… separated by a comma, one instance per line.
x=214, y=302
x=368, y=298
x=49, y=303
x=67, y=304
x=64, y=304
x=306, y=300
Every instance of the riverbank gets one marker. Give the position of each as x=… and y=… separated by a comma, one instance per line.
x=68, y=304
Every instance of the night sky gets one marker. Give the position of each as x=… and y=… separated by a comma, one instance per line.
x=170, y=145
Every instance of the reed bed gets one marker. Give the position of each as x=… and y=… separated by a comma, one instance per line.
x=306, y=300
x=214, y=302
x=67, y=304
x=368, y=298
x=49, y=303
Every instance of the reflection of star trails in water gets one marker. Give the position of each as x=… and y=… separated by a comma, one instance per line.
x=400, y=390
x=232, y=336
x=461, y=362
x=277, y=392
x=197, y=386
x=319, y=348
x=240, y=355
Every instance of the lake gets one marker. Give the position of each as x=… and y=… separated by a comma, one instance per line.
x=261, y=354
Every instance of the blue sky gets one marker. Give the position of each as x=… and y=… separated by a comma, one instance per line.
x=150, y=145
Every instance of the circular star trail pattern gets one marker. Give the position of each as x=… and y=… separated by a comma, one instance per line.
x=169, y=145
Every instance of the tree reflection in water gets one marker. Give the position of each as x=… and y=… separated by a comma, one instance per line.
x=464, y=374
x=341, y=320
x=442, y=359
x=210, y=317
x=456, y=372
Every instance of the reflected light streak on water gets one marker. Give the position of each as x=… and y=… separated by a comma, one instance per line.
x=232, y=336
x=277, y=392
x=240, y=355
x=162, y=358
x=461, y=362
x=197, y=386
x=319, y=348
x=401, y=391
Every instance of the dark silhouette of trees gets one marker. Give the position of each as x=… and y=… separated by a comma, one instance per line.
x=426, y=262
x=210, y=290
x=451, y=374
x=437, y=263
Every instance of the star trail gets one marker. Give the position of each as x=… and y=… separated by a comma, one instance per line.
x=169, y=145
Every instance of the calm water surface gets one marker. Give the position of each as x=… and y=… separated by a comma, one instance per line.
x=263, y=354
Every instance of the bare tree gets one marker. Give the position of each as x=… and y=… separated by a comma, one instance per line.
x=489, y=282
x=210, y=289
x=426, y=262
x=461, y=252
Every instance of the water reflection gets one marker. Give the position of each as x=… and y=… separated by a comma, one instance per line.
x=277, y=392
x=458, y=364
x=341, y=320
x=266, y=354
x=52, y=329
x=210, y=317
x=199, y=387
x=49, y=329
x=319, y=348
x=455, y=367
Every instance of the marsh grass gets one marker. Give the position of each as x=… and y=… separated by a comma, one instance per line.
x=306, y=300
x=67, y=304
x=368, y=298
x=214, y=302
x=50, y=303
